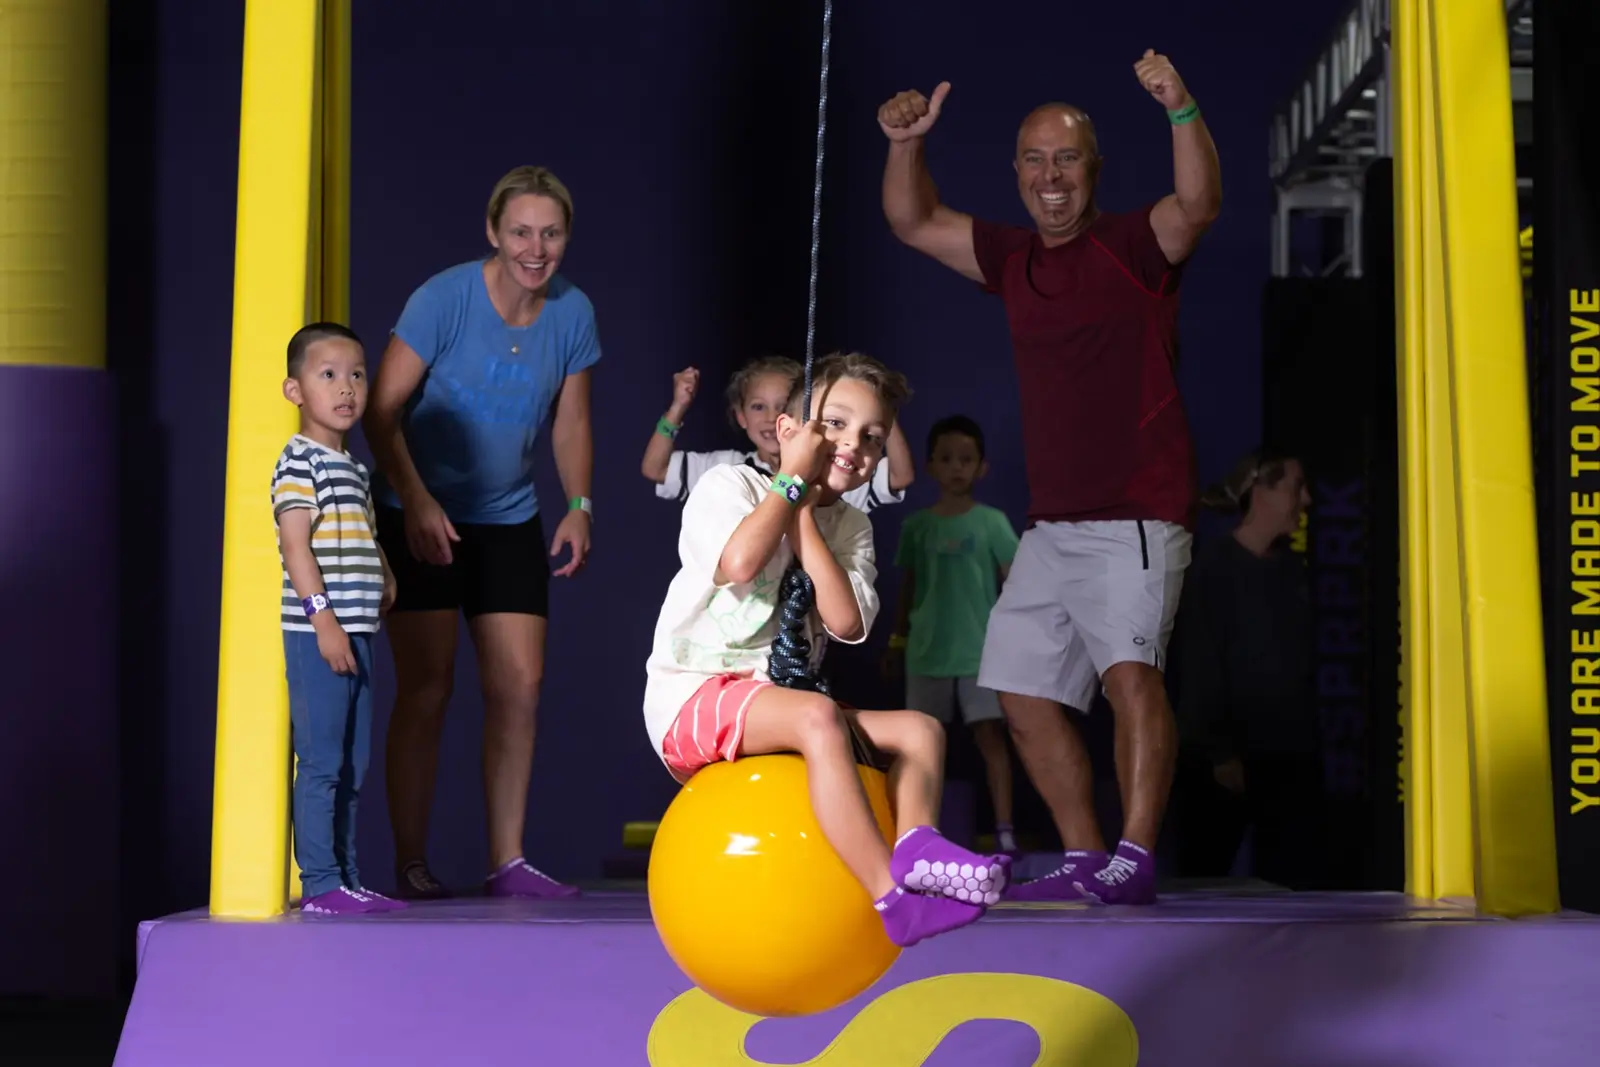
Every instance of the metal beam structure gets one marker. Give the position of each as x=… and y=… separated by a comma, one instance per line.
x=1336, y=123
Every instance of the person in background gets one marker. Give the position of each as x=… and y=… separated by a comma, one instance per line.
x=755, y=397
x=484, y=354
x=953, y=558
x=1251, y=744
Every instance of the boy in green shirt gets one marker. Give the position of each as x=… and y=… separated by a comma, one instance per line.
x=953, y=557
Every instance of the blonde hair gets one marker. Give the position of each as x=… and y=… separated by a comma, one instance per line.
x=891, y=386
x=528, y=181
x=759, y=367
x=1262, y=467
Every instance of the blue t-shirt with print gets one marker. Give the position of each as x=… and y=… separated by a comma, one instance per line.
x=471, y=425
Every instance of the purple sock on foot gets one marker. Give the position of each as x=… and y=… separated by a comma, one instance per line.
x=913, y=917
x=382, y=902
x=1057, y=886
x=925, y=861
x=1128, y=878
x=520, y=879
x=341, y=901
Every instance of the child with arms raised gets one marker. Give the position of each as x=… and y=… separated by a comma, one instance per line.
x=726, y=680
x=756, y=396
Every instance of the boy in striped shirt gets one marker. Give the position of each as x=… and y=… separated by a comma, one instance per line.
x=336, y=586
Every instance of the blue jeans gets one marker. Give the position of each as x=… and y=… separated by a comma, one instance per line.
x=331, y=715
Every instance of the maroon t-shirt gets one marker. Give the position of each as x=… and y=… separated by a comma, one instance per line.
x=1094, y=331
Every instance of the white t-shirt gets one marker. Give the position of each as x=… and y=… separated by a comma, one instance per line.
x=685, y=469
x=705, y=629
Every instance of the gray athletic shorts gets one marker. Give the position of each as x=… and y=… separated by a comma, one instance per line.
x=1082, y=596
x=939, y=697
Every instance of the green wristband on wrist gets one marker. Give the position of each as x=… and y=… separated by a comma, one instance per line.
x=789, y=487
x=583, y=504
x=1184, y=115
x=665, y=428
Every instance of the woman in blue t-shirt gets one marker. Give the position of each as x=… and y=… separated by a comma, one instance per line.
x=482, y=353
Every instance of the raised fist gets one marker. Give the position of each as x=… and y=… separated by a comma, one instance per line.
x=909, y=115
x=684, y=384
x=1156, y=74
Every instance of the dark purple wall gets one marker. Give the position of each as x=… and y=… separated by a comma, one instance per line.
x=58, y=729
x=175, y=67
x=686, y=134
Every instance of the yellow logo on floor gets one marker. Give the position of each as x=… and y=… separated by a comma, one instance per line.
x=1075, y=1026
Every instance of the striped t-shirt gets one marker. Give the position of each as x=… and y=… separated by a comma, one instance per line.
x=336, y=486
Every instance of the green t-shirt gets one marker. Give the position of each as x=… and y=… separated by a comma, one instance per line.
x=955, y=562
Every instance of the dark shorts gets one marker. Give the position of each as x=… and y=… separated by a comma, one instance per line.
x=493, y=568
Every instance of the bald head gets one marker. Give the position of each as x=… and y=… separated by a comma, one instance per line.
x=1048, y=122
x=1058, y=165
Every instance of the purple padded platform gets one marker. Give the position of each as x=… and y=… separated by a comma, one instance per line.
x=1258, y=980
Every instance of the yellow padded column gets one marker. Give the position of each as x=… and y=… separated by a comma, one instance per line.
x=1509, y=734
x=53, y=59
x=1439, y=836
x=250, y=822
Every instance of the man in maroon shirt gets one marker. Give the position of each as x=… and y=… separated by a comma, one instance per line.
x=1091, y=299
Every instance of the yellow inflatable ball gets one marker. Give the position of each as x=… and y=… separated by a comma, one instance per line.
x=751, y=901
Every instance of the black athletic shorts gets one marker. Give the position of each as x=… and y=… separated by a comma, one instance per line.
x=493, y=568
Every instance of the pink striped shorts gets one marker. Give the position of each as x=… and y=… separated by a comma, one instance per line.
x=710, y=725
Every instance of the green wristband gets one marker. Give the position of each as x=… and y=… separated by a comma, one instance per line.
x=665, y=428
x=583, y=504
x=789, y=487
x=1184, y=115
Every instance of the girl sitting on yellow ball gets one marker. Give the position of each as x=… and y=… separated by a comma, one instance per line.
x=772, y=567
